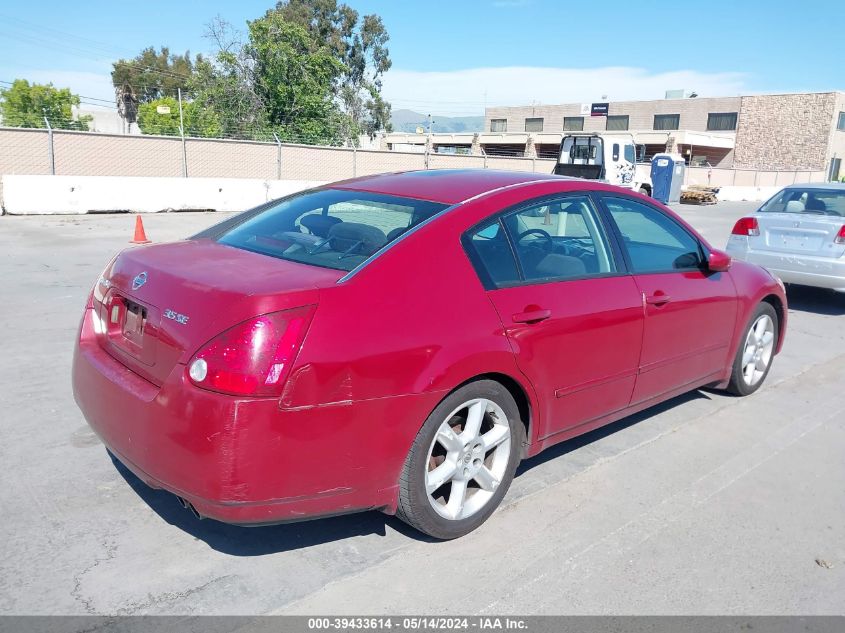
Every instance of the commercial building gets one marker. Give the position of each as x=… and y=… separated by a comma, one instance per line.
x=801, y=131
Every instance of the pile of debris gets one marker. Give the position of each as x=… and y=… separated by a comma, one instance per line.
x=699, y=194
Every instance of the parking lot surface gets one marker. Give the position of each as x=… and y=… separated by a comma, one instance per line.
x=706, y=504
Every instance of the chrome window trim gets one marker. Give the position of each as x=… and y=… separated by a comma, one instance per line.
x=411, y=231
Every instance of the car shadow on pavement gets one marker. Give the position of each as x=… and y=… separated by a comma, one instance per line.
x=553, y=452
x=262, y=540
x=817, y=300
x=259, y=541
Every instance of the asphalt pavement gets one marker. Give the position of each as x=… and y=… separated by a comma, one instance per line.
x=707, y=504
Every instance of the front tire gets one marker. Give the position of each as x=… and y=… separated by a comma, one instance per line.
x=756, y=351
x=462, y=461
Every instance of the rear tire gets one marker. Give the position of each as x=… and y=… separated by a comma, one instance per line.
x=462, y=461
x=756, y=351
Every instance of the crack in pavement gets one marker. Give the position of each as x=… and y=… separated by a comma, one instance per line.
x=76, y=592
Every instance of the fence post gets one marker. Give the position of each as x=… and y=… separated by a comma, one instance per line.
x=51, y=157
x=533, y=163
x=182, y=134
x=483, y=153
x=278, y=157
x=354, y=160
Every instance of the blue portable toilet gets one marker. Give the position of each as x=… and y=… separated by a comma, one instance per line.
x=667, y=176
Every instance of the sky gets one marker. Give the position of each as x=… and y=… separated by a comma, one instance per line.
x=456, y=57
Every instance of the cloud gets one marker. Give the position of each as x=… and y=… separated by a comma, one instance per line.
x=466, y=92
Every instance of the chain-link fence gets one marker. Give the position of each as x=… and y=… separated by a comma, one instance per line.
x=71, y=153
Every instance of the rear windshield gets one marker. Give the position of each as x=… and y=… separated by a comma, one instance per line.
x=332, y=228
x=810, y=200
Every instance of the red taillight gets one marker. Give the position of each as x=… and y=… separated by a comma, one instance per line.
x=254, y=357
x=746, y=226
x=840, y=237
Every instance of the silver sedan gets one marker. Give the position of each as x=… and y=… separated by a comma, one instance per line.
x=799, y=235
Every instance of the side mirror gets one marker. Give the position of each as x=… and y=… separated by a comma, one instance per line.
x=718, y=262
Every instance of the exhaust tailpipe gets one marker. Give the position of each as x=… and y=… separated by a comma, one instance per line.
x=189, y=506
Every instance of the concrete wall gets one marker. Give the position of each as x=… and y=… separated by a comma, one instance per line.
x=25, y=195
x=782, y=132
x=693, y=113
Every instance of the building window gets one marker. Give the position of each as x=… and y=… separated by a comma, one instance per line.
x=721, y=121
x=617, y=122
x=573, y=123
x=667, y=121
x=841, y=124
x=498, y=125
x=534, y=125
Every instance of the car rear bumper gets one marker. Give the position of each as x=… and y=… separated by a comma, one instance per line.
x=807, y=270
x=246, y=460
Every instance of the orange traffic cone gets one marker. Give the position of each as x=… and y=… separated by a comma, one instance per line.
x=140, y=236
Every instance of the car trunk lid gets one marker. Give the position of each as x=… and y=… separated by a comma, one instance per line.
x=158, y=304
x=799, y=234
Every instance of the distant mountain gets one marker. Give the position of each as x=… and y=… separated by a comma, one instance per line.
x=409, y=121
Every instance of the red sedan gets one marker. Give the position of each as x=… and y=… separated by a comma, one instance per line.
x=400, y=342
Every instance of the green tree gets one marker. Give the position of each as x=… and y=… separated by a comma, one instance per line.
x=295, y=78
x=162, y=117
x=360, y=44
x=148, y=76
x=26, y=105
x=277, y=82
x=153, y=74
x=225, y=84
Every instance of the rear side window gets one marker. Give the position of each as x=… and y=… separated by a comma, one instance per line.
x=492, y=256
x=332, y=228
x=654, y=242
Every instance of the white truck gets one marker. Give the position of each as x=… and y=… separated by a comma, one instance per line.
x=611, y=158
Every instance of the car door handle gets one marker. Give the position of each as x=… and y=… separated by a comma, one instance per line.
x=531, y=316
x=658, y=299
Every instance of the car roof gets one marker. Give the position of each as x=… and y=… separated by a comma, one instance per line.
x=817, y=185
x=448, y=186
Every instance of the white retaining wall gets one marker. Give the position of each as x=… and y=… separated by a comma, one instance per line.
x=23, y=195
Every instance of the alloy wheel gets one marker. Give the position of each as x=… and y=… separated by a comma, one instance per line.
x=759, y=345
x=467, y=459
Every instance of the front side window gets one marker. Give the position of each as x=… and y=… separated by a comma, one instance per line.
x=717, y=121
x=534, y=125
x=498, y=125
x=332, y=228
x=655, y=243
x=667, y=121
x=617, y=122
x=573, y=123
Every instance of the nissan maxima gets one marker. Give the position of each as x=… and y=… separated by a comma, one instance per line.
x=401, y=342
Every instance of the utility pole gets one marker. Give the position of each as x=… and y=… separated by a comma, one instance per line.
x=182, y=132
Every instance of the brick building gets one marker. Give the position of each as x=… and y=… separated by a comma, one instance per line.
x=803, y=131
